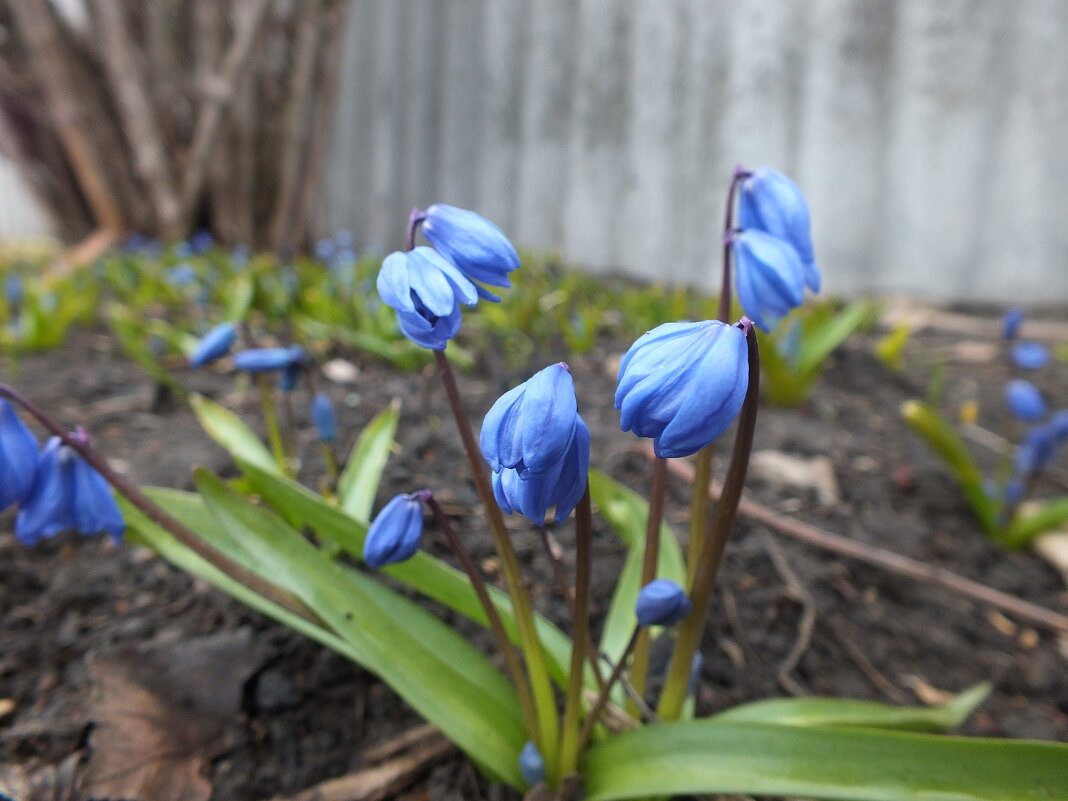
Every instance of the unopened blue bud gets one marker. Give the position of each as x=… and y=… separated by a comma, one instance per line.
x=1011, y=322
x=18, y=457
x=471, y=242
x=181, y=275
x=1059, y=423
x=531, y=765
x=265, y=360
x=201, y=240
x=531, y=426
x=394, y=535
x=1024, y=400
x=425, y=289
x=662, y=602
x=287, y=382
x=324, y=417
x=561, y=486
x=1030, y=355
x=683, y=384
x=771, y=202
x=67, y=493
x=771, y=277
x=1036, y=452
x=214, y=345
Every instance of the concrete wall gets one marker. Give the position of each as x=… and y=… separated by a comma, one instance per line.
x=929, y=136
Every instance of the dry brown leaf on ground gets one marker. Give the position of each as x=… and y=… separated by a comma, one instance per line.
x=162, y=712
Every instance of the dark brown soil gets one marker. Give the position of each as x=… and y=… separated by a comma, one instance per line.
x=308, y=714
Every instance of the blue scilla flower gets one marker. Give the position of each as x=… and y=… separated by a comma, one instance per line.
x=1011, y=322
x=1036, y=451
x=1059, y=423
x=1030, y=355
x=324, y=418
x=683, y=384
x=214, y=345
x=394, y=535
x=268, y=360
x=531, y=765
x=771, y=277
x=471, y=242
x=201, y=240
x=561, y=486
x=1024, y=400
x=425, y=289
x=182, y=275
x=771, y=202
x=662, y=602
x=18, y=457
x=67, y=493
x=531, y=426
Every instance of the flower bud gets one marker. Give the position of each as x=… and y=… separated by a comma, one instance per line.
x=1030, y=355
x=1011, y=322
x=214, y=345
x=561, y=486
x=475, y=245
x=1059, y=423
x=394, y=535
x=18, y=457
x=1024, y=400
x=531, y=426
x=265, y=360
x=662, y=602
x=771, y=202
x=531, y=765
x=1036, y=451
x=324, y=418
x=683, y=384
x=771, y=277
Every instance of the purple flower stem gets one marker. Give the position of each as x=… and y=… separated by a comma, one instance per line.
x=580, y=635
x=691, y=628
x=478, y=583
x=544, y=700
x=602, y=698
x=160, y=517
x=415, y=219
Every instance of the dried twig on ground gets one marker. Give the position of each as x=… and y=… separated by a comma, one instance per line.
x=801, y=594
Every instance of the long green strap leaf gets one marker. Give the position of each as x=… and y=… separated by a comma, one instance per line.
x=358, y=485
x=866, y=714
x=626, y=512
x=444, y=678
x=708, y=756
x=230, y=431
x=430, y=576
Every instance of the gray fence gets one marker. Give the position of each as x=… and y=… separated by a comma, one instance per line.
x=929, y=136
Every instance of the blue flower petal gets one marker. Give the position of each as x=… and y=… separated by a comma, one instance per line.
x=18, y=457
x=94, y=506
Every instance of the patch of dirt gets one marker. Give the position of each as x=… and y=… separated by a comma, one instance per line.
x=308, y=715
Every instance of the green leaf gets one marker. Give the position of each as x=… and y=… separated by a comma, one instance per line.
x=227, y=429
x=359, y=481
x=239, y=295
x=941, y=437
x=131, y=334
x=851, y=764
x=890, y=350
x=1025, y=528
x=822, y=339
x=441, y=675
x=430, y=576
x=867, y=714
x=626, y=512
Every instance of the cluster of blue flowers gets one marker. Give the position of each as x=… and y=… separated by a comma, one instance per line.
x=772, y=247
x=54, y=488
x=1040, y=444
x=427, y=285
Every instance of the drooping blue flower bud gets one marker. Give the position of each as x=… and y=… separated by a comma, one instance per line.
x=471, y=242
x=394, y=535
x=287, y=382
x=324, y=417
x=266, y=360
x=18, y=457
x=771, y=202
x=214, y=345
x=531, y=765
x=531, y=426
x=683, y=384
x=1024, y=400
x=771, y=278
x=662, y=602
x=67, y=493
x=1036, y=451
x=425, y=289
x=561, y=486
x=1059, y=423
x=1030, y=355
x=1011, y=322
